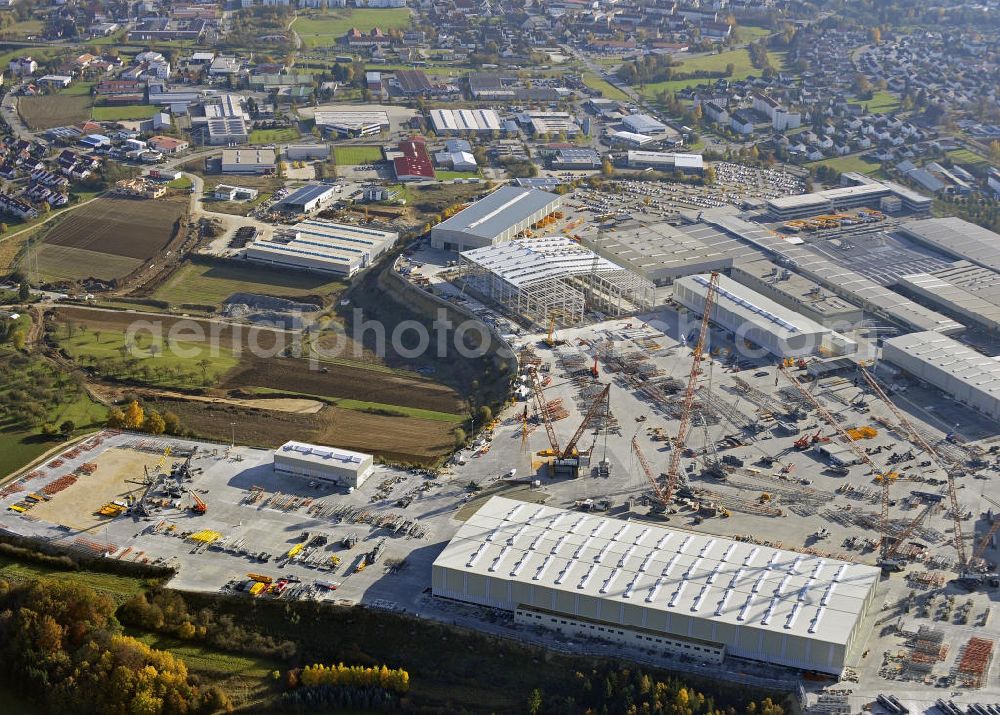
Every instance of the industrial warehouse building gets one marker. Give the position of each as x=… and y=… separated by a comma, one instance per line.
x=954, y=368
x=649, y=587
x=498, y=217
x=249, y=161
x=553, y=278
x=323, y=246
x=353, y=123
x=839, y=279
x=306, y=152
x=797, y=293
x=663, y=161
x=644, y=124
x=340, y=466
x=753, y=317
x=464, y=121
x=659, y=251
x=309, y=198
x=956, y=237
x=873, y=194
x=963, y=289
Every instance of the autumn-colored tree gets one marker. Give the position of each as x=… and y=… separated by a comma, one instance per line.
x=171, y=422
x=116, y=418
x=154, y=423
x=134, y=415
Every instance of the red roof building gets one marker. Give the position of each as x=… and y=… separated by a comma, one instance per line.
x=415, y=163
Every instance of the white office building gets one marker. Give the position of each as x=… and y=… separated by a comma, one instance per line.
x=329, y=464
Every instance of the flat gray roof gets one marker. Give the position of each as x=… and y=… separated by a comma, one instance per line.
x=659, y=248
x=957, y=238
x=754, y=308
x=979, y=372
x=835, y=277
x=665, y=569
x=969, y=290
x=494, y=214
x=798, y=288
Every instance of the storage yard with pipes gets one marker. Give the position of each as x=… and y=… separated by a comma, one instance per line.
x=680, y=494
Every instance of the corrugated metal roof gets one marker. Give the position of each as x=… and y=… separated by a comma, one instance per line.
x=530, y=260
x=957, y=238
x=656, y=567
x=494, y=214
x=841, y=280
x=979, y=372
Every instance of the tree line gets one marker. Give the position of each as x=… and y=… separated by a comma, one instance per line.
x=62, y=646
x=612, y=689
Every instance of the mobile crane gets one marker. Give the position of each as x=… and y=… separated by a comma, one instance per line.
x=674, y=467
x=199, y=507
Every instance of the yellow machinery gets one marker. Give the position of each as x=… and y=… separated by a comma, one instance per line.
x=856, y=433
x=258, y=588
x=266, y=580
x=296, y=550
x=206, y=536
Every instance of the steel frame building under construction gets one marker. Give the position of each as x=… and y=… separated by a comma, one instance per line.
x=553, y=278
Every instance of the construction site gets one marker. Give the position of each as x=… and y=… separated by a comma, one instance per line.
x=682, y=482
x=662, y=419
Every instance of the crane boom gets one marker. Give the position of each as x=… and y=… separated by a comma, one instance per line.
x=540, y=399
x=910, y=528
x=602, y=399
x=648, y=471
x=988, y=536
x=956, y=517
x=882, y=476
x=673, y=470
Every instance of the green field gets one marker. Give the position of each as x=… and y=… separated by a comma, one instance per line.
x=118, y=114
x=448, y=175
x=968, y=159
x=327, y=28
x=208, y=661
x=120, y=587
x=882, y=101
x=273, y=136
x=177, y=364
x=355, y=155
x=65, y=263
x=851, y=162
x=20, y=442
x=749, y=33
x=182, y=183
x=740, y=59
x=607, y=90
x=78, y=89
x=364, y=405
x=25, y=28
x=206, y=284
